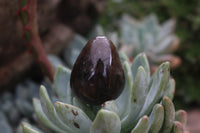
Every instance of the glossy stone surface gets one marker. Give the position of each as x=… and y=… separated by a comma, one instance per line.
x=97, y=75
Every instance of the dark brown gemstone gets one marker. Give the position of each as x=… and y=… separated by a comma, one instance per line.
x=97, y=75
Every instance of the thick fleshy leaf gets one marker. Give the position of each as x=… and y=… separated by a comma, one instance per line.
x=61, y=84
x=123, y=101
x=164, y=44
x=73, y=117
x=28, y=129
x=73, y=49
x=166, y=29
x=177, y=127
x=43, y=118
x=158, y=86
x=111, y=106
x=123, y=57
x=90, y=110
x=142, y=125
x=169, y=115
x=151, y=24
x=138, y=96
x=4, y=125
x=50, y=111
x=181, y=116
x=106, y=122
x=156, y=119
x=55, y=61
x=170, y=89
x=96, y=31
x=140, y=60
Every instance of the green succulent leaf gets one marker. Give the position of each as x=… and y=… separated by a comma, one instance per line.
x=61, y=84
x=169, y=115
x=157, y=88
x=137, y=99
x=156, y=119
x=73, y=49
x=28, y=128
x=170, y=89
x=166, y=29
x=181, y=116
x=111, y=106
x=74, y=117
x=43, y=118
x=164, y=44
x=123, y=101
x=106, y=122
x=177, y=127
x=140, y=60
x=90, y=110
x=50, y=111
x=142, y=125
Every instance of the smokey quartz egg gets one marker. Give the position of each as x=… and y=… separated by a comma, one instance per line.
x=97, y=75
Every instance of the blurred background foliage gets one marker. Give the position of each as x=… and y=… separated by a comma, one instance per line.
x=187, y=16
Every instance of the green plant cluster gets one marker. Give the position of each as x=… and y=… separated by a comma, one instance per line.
x=187, y=15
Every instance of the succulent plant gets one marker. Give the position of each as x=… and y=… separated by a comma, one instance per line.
x=145, y=105
x=157, y=41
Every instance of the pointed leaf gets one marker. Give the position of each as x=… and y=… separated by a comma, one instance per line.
x=73, y=117
x=169, y=115
x=181, y=116
x=43, y=118
x=138, y=96
x=90, y=110
x=166, y=29
x=111, y=106
x=123, y=101
x=177, y=127
x=106, y=122
x=156, y=119
x=50, y=111
x=157, y=87
x=61, y=84
x=170, y=89
x=28, y=129
x=73, y=49
x=164, y=44
x=140, y=60
x=142, y=125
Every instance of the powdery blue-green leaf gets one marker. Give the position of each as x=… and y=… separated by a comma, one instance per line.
x=61, y=84
x=140, y=60
x=123, y=101
x=138, y=96
x=181, y=116
x=164, y=44
x=111, y=106
x=74, y=117
x=166, y=29
x=90, y=110
x=50, y=111
x=123, y=57
x=169, y=115
x=156, y=119
x=96, y=31
x=4, y=125
x=73, y=49
x=158, y=86
x=171, y=89
x=106, y=122
x=177, y=127
x=43, y=118
x=28, y=129
x=142, y=125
